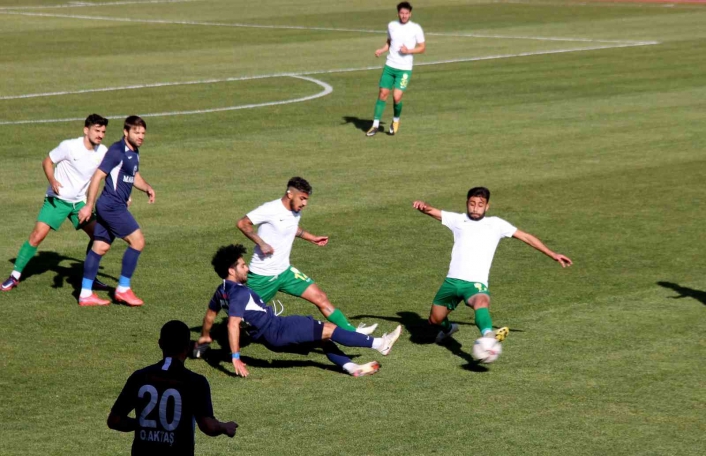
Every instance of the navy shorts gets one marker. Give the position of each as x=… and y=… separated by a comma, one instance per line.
x=113, y=224
x=293, y=330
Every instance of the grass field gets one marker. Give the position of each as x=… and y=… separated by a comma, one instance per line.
x=586, y=121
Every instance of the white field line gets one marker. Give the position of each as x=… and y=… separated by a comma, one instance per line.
x=296, y=27
x=327, y=89
x=92, y=4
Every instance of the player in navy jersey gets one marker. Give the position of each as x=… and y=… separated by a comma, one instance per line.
x=168, y=400
x=244, y=306
x=120, y=169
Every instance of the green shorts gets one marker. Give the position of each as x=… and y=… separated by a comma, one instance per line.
x=453, y=291
x=291, y=281
x=392, y=77
x=55, y=211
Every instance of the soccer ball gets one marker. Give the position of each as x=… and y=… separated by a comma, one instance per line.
x=486, y=350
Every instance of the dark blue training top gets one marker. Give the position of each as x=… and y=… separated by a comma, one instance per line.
x=240, y=301
x=120, y=164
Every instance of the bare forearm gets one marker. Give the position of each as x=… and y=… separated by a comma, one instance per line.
x=302, y=233
x=539, y=245
x=234, y=334
x=246, y=227
x=208, y=320
x=92, y=192
x=212, y=427
x=48, y=167
x=141, y=184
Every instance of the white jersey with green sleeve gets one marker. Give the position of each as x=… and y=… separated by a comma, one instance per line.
x=409, y=34
x=277, y=226
x=474, y=244
x=75, y=166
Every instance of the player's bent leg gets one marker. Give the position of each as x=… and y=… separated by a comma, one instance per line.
x=481, y=305
x=439, y=316
x=316, y=296
x=26, y=253
x=89, y=228
x=38, y=234
x=123, y=292
x=90, y=271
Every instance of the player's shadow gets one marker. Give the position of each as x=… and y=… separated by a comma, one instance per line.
x=47, y=261
x=361, y=124
x=684, y=292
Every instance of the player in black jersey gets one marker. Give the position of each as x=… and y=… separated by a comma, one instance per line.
x=168, y=399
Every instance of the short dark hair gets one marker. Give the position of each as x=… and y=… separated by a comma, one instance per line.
x=134, y=121
x=404, y=5
x=300, y=184
x=226, y=257
x=174, y=338
x=479, y=191
x=95, y=119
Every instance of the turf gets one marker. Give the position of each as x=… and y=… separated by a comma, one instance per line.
x=599, y=153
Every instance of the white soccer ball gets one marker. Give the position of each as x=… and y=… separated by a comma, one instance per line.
x=486, y=350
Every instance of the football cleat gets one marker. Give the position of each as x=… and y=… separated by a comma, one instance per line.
x=394, y=126
x=129, y=298
x=9, y=284
x=362, y=370
x=92, y=300
x=100, y=286
x=372, y=131
x=502, y=333
x=388, y=340
x=367, y=330
x=442, y=336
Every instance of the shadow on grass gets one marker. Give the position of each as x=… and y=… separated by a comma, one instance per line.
x=685, y=292
x=47, y=261
x=361, y=124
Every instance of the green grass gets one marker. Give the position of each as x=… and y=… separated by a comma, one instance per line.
x=599, y=153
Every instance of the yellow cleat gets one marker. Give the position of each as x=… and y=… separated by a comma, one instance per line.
x=502, y=333
x=372, y=131
x=394, y=126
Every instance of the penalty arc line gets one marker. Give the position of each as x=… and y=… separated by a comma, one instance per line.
x=327, y=89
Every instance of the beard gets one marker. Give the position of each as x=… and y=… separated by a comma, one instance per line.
x=475, y=217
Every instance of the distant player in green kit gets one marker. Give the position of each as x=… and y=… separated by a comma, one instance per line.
x=404, y=39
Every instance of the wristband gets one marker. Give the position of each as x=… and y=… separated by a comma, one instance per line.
x=235, y=355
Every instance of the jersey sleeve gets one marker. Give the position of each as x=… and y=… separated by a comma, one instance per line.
x=449, y=219
x=419, y=36
x=112, y=159
x=238, y=298
x=60, y=153
x=203, y=407
x=126, y=402
x=214, y=304
x=260, y=215
x=504, y=228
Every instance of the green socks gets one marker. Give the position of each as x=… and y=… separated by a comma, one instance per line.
x=397, y=109
x=340, y=320
x=483, y=320
x=379, y=109
x=26, y=253
x=445, y=325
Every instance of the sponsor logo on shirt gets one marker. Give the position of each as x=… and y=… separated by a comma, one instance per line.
x=128, y=179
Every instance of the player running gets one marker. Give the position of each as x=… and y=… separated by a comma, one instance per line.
x=120, y=169
x=270, y=270
x=76, y=160
x=244, y=306
x=475, y=239
x=168, y=400
x=404, y=39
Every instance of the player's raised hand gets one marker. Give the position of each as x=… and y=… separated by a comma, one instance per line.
x=84, y=214
x=266, y=249
x=55, y=186
x=563, y=260
x=320, y=240
x=151, y=194
x=229, y=428
x=240, y=369
x=419, y=205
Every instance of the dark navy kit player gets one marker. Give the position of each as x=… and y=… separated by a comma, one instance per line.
x=277, y=333
x=168, y=399
x=121, y=170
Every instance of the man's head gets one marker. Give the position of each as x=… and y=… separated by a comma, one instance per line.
x=404, y=12
x=229, y=264
x=477, y=202
x=298, y=192
x=94, y=129
x=174, y=339
x=134, y=131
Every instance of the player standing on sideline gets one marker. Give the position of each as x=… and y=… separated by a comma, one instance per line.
x=270, y=270
x=244, y=305
x=404, y=39
x=76, y=160
x=120, y=169
x=475, y=239
x=168, y=399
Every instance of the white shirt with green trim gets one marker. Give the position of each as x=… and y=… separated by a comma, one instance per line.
x=75, y=166
x=474, y=245
x=277, y=226
x=409, y=34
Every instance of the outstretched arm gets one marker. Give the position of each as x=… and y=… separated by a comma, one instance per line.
x=248, y=229
x=142, y=185
x=85, y=213
x=318, y=240
x=234, y=341
x=528, y=239
x=424, y=208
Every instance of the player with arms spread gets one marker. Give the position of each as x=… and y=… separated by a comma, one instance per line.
x=168, y=399
x=76, y=160
x=475, y=239
x=120, y=169
x=404, y=39
x=270, y=270
x=278, y=333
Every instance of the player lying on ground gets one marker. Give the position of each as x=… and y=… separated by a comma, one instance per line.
x=245, y=306
x=475, y=239
x=168, y=400
x=270, y=269
x=76, y=160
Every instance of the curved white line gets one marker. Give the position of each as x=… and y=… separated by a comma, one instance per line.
x=327, y=89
